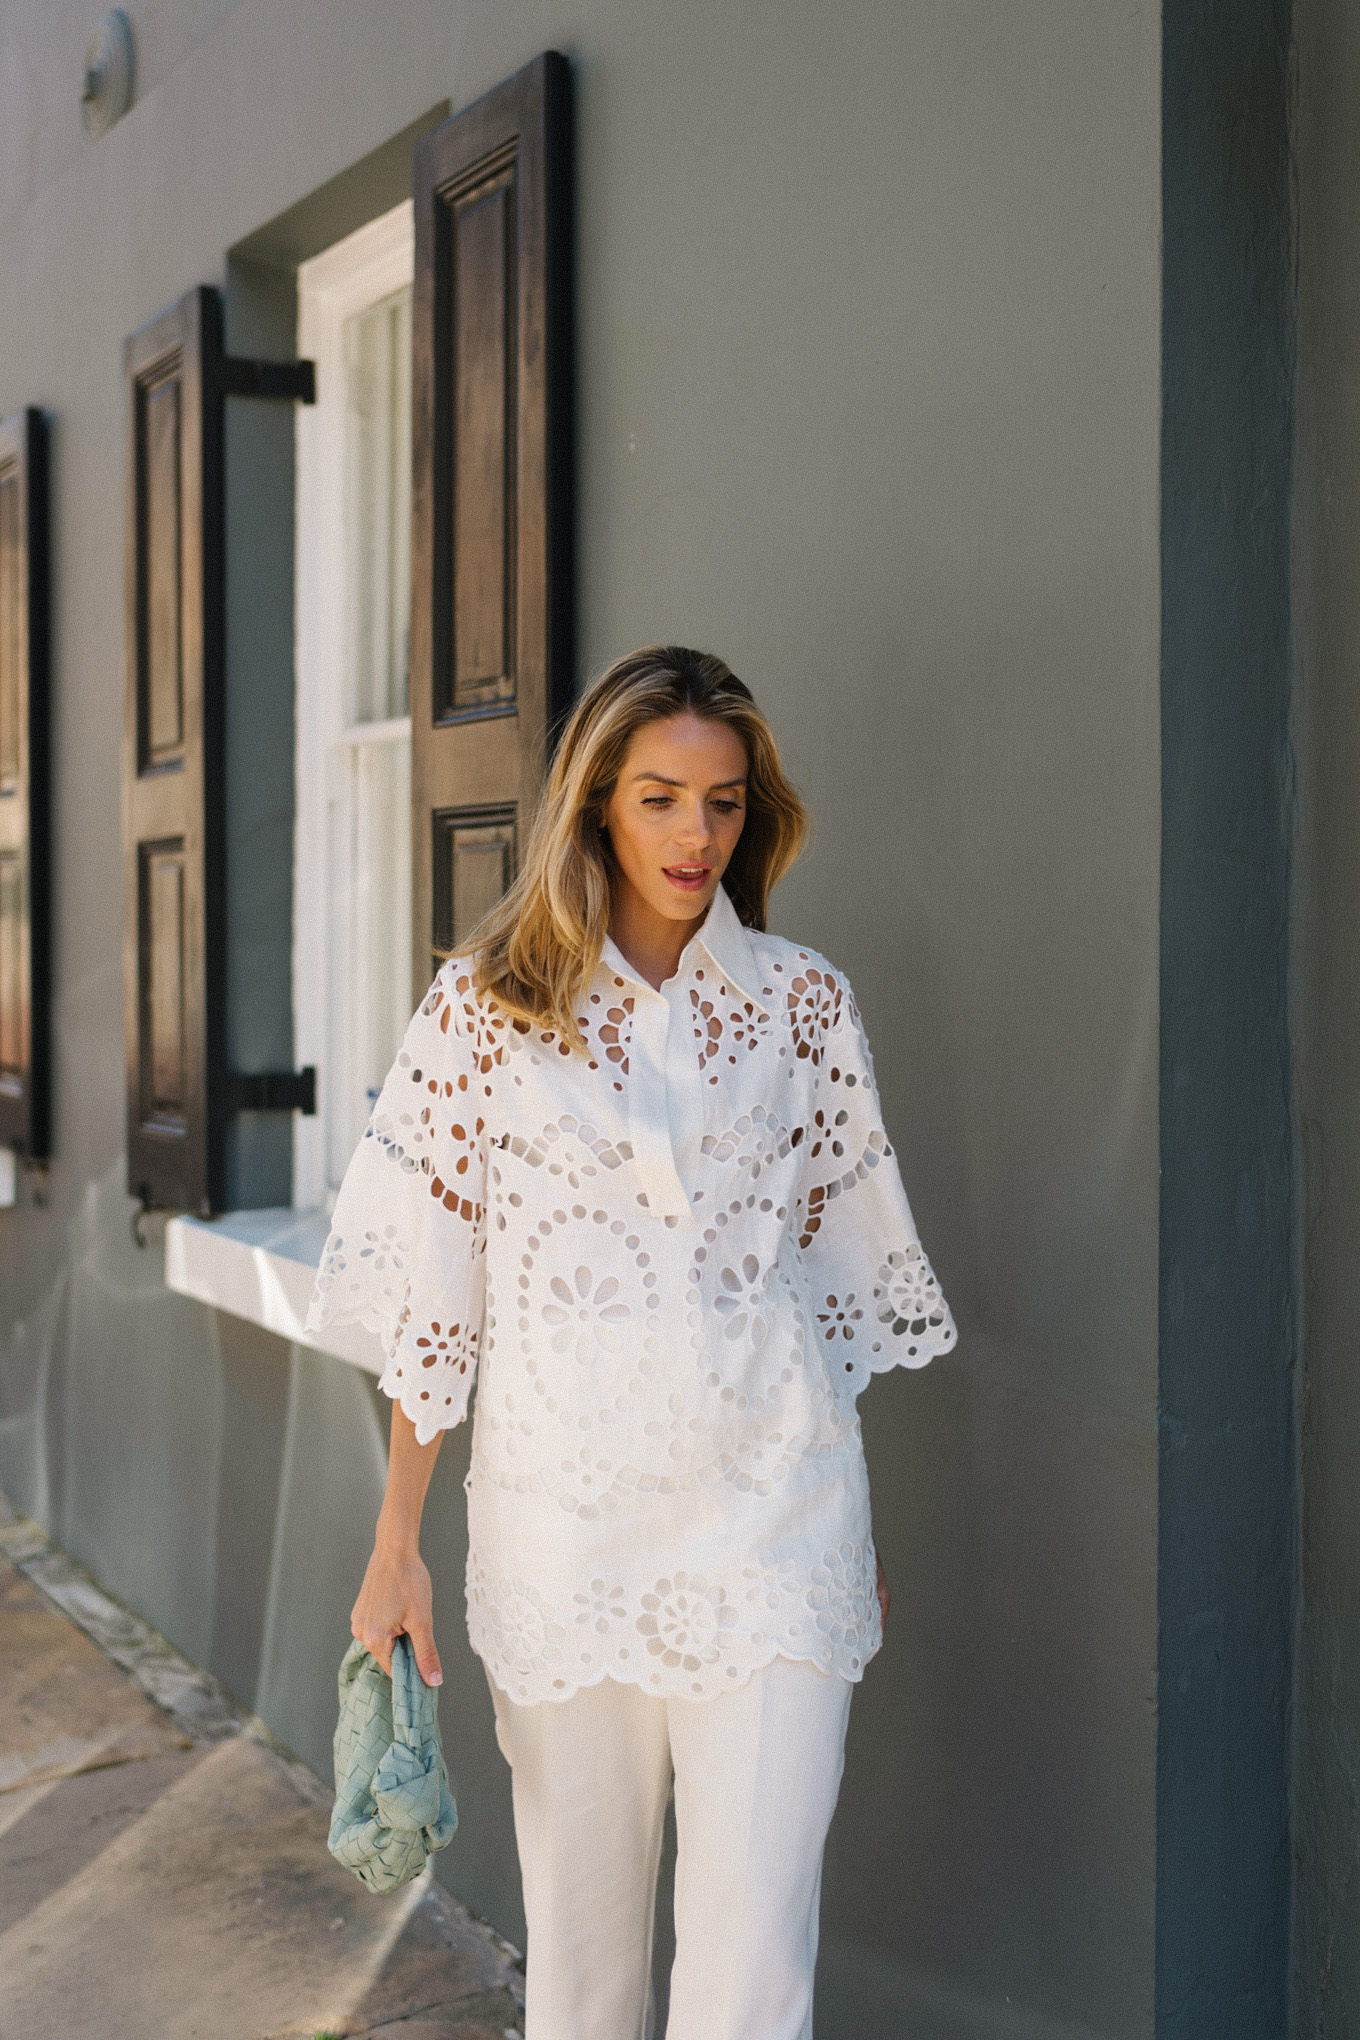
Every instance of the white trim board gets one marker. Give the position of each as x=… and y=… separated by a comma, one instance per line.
x=367, y=266
x=261, y=1265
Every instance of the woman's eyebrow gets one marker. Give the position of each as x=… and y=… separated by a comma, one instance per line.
x=660, y=779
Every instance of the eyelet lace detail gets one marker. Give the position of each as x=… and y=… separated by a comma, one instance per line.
x=726, y=1026
x=684, y=1634
x=667, y=1479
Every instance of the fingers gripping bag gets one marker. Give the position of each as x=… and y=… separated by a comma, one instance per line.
x=393, y=1806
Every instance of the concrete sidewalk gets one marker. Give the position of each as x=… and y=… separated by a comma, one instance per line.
x=163, y=1865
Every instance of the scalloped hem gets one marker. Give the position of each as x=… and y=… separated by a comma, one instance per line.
x=889, y=1362
x=323, y=1317
x=428, y=1425
x=666, y=1684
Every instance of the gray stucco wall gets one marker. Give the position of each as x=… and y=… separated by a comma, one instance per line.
x=1327, y=628
x=869, y=401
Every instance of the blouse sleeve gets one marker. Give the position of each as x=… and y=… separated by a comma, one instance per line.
x=406, y=1252
x=875, y=1298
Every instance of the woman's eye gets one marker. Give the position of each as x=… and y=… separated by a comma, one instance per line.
x=728, y=807
x=656, y=800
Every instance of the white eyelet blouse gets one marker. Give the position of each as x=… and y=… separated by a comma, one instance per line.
x=676, y=1261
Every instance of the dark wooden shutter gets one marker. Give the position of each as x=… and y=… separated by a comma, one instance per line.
x=491, y=548
x=25, y=1080
x=173, y=819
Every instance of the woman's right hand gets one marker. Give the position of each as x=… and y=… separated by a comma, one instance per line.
x=395, y=1600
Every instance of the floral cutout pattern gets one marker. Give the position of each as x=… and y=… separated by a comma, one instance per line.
x=908, y=1301
x=684, y=1632
x=819, y=1195
x=741, y=1302
x=667, y=1479
x=608, y=1026
x=839, y=1316
x=757, y=1141
x=814, y=1002
x=566, y=1149
x=450, y=1350
x=842, y=1597
x=530, y=1640
x=584, y=1315
x=725, y=1025
x=685, y=1622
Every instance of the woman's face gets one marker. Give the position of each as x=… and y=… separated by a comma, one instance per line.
x=676, y=814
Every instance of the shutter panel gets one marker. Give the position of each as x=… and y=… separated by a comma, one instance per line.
x=24, y=905
x=491, y=562
x=173, y=812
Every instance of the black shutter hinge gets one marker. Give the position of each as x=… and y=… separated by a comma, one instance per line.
x=273, y=1091
x=291, y=380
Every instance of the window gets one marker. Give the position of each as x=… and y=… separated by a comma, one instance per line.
x=352, y=869
x=481, y=544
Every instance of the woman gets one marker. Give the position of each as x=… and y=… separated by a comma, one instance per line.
x=630, y=1163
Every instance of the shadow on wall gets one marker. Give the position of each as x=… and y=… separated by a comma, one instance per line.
x=219, y=1481
x=225, y=1485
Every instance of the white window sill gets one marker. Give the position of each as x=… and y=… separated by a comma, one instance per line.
x=261, y=1265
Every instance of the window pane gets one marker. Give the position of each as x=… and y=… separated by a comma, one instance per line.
x=370, y=935
x=378, y=506
x=382, y=863
x=352, y=877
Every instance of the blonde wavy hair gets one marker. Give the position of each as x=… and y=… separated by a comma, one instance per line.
x=537, y=952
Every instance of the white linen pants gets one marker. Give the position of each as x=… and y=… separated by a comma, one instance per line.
x=756, y=1775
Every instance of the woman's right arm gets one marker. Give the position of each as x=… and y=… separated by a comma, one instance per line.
x=394, y=1599
x=406, y=1258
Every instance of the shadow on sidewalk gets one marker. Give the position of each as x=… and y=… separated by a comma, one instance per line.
x=163, y=1864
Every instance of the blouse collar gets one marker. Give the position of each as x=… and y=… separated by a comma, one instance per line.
x=722, y=938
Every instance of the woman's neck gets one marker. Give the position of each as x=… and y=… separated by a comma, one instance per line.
x=652, y=943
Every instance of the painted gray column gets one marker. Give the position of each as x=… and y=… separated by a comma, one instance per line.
x=1228, y=1292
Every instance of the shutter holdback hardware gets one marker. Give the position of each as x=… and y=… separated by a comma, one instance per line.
x=273, y=1091
x=292, y=381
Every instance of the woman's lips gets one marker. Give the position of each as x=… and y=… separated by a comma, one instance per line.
x=688, y=878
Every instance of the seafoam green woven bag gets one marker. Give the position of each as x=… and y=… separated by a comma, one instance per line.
x=393, y=1806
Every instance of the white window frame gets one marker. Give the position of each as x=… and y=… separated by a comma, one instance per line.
x=261, y=1265
x=369, y=265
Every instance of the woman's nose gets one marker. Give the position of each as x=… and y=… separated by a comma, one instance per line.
x=693, y=826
